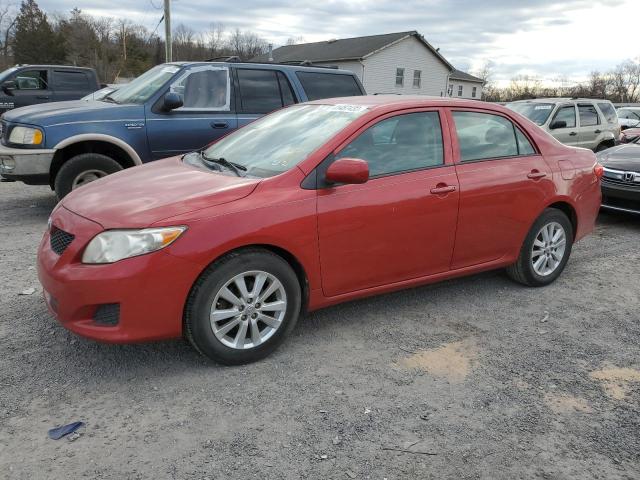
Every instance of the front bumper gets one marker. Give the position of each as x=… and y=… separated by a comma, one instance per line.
x=26, y=165
x=620, y=197
x=133, y=300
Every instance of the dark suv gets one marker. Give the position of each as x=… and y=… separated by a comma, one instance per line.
x=171, y=109
x=24, y=85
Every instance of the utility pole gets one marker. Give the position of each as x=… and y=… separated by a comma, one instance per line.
x=167, y=31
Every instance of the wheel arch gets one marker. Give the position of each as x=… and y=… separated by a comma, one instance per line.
x=569, y=210
x=113, y=147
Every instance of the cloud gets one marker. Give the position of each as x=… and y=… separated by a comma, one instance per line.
x=545, y=37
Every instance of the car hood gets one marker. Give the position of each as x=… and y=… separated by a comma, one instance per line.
x=47, y=114
x=622, y=157
x=141, y=196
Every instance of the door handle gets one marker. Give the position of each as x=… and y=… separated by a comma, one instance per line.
x=443, y=188
x=219, y=124
x=573, y=134
x=598, y=131
x=535, y=175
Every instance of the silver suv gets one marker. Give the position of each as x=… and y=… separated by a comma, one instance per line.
x=579, y=122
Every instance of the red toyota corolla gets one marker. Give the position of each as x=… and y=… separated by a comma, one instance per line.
x=313, y=205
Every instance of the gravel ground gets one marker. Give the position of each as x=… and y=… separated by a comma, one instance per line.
x=471, y=378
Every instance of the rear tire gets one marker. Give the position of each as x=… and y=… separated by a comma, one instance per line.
x=542, y=256
x=82, y=169
x=233, y=328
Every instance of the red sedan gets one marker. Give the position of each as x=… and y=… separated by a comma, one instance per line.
x=313, y=205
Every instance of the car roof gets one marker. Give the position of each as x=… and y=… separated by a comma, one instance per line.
x=270, y=66
x=38, y=65
x=405, y=101
x=560, y=99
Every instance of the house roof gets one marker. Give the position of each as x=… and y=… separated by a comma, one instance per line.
x=355, y=48
x=460, y=75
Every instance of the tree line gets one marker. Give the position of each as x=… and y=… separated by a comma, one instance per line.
x=115, y=48
x=620, y=85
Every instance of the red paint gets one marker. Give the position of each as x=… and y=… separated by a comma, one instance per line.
x=348, y=170
x=351, y=240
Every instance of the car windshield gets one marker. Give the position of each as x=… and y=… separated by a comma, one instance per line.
x=143, y=87
x=629, y=114
x=536, y=112
x=281, y=140
x=4, y=75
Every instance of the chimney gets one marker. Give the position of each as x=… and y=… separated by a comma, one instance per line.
x=271, y=52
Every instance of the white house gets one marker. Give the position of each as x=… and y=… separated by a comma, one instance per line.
x=463, y=85
x=402, y=62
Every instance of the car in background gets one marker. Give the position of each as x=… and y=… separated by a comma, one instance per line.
x=171, y=109
x=629, y=117
x=25, y=85
x=577, y=122
x=621, y=178
x=100, y=94
x=313, y=205
x=630, y=134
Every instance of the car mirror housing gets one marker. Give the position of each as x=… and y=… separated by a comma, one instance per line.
x=8, y=87
x=172, y=101
x=348, y=171
x=558, y=124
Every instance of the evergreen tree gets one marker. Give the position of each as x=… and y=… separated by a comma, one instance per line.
x=34, y=39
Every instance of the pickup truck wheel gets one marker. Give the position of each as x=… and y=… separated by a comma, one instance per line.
x=83, y=169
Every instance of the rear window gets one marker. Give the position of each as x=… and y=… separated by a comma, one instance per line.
x=608, y=111
x=67, y=80
x=328, y=85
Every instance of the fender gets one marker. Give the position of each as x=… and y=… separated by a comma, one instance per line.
x=85, y=137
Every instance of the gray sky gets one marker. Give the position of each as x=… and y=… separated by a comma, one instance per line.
x=547, y=38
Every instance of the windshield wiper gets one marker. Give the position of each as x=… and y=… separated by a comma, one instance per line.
x=107, y=98
x=234, y=167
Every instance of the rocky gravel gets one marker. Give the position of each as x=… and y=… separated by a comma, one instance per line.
x=471, y=378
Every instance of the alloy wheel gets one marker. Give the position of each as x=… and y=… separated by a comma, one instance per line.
x=548, y=249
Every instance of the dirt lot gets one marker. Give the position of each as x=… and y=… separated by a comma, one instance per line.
x=472, y=378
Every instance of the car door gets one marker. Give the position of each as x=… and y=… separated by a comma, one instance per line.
x=31, y=87
x=590, y=128
x=69, y=84
x=569, y=133
x=206, y=115
x=401, y=223
x=260, y=91
x=504, y=182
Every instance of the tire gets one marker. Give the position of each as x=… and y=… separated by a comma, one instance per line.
x=229, y=345
x=89, y=165
x=524, y=270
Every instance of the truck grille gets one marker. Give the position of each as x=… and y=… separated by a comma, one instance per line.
x=60, y=240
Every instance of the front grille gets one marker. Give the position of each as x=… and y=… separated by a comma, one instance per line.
x=60, y=240
x=622, y=183
x=107, y=314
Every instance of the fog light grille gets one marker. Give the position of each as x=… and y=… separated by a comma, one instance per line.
x=60, y=240
x=107, y=314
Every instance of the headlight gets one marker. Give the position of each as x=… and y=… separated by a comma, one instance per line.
x=26, y=136
x=113, y=245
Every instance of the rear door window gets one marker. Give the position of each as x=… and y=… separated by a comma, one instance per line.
x=328, y=85
x=588, y=115
x=262, y=91
x=70, y=81
x=483, y=136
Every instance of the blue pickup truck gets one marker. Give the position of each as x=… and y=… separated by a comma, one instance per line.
x=171, y=109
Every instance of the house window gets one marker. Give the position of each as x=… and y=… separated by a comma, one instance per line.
x=417, y=74
x=459, y=90
x=473, y=91
x=399, y=77
x=450, y=90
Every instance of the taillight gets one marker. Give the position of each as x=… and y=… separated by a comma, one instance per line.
x=598, y=170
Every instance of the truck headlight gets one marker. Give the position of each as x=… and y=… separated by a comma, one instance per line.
x=26, y=136
x=113, y=245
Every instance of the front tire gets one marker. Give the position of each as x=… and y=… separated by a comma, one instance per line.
x=242, y=307
x=81, y=170
x=545, y=251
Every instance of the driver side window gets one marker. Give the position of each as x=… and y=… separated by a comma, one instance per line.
x=399, y=144
x=566, y=114
x=31, y=80
x=203, y=88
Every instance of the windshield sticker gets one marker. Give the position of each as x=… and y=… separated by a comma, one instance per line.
x=542, y=107
x=343, y=107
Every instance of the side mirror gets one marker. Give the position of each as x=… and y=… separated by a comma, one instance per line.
x=558, y=124
x=8, y=87
x=348, y=170
x=172, y=101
